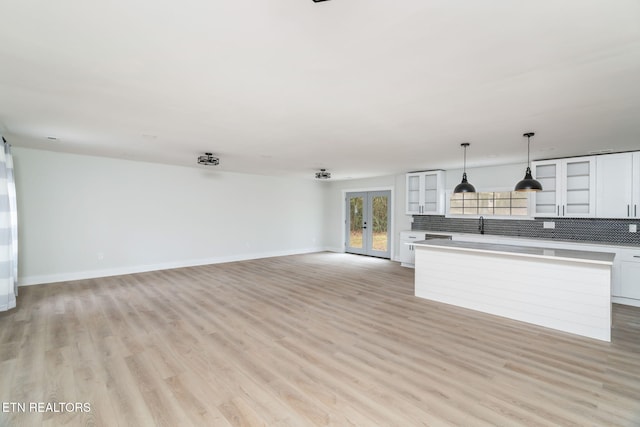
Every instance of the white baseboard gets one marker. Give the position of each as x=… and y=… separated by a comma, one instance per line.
x=626, y=301
x=334, y=249
x=118, y=271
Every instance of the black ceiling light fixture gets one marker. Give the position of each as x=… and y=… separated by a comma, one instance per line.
x=318, y=1
x=208, y=160
x=464, y=186
x=528, y=183
x=323, y=174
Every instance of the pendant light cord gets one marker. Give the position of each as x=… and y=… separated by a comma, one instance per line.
x=529, y=135
x=464, y=169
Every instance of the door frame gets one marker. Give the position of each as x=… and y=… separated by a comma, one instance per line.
x=343, y=207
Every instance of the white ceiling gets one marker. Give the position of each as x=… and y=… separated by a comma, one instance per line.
x=285, y=87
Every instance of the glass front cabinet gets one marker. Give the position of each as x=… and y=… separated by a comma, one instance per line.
x=568, y=187
x=425, y=193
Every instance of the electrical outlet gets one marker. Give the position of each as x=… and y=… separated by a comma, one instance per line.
x=549, y=224
x=633, y=228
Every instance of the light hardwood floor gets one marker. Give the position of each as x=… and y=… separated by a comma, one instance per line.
x=318, y=339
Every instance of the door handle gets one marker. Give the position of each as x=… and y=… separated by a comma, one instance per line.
x=562, y=210
x=628, y=206
x=558, y=206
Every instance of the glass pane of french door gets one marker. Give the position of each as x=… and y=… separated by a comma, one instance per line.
x=356, y=220
x=380, y=218
x=356, y=224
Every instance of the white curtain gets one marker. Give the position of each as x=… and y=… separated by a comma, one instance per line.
x=8, y=231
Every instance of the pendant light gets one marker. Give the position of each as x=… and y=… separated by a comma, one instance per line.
x=528, y=183
x=464, y=186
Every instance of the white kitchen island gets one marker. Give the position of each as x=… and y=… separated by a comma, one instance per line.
x=566, y=290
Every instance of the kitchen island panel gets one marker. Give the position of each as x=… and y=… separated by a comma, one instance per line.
x=556, y=293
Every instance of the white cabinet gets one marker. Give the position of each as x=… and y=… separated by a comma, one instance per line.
x=425, y=193
x=629, y=280
x=568, y=187
x=618, y=185
x=407, y=250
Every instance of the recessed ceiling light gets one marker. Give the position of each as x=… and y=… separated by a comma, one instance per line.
x=52, y=138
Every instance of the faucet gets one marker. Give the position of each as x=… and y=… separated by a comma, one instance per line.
x=481, y=224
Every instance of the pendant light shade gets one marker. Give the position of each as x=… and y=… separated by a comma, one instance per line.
x=464, y=186
x=528, y=183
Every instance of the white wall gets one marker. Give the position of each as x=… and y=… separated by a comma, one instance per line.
x=82, y=216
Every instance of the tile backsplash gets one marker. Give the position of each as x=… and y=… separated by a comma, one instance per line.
x=595, y=230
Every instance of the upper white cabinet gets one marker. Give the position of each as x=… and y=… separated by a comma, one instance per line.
x=568, y=187
x=618, y=185
x=425, y=193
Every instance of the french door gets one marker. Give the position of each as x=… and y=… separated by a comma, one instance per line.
x=368, y=223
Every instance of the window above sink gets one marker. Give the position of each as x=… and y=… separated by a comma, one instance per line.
x=494, y=204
